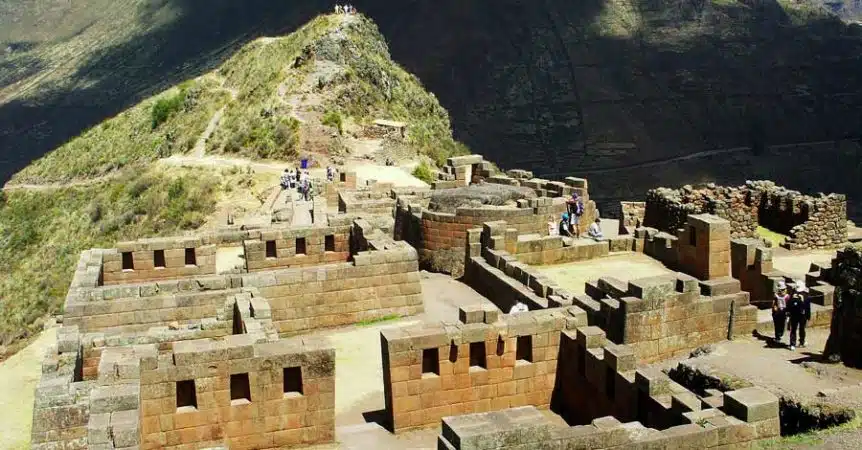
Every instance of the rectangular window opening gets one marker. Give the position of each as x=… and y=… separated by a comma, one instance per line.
x=524, y=349
x=159, y=259
x=477, y=355
x=128, y=261
x=329, y=243
x=191, y=259
x=430, y=361
x=293, y=380
x=692, y=236
x=343, y=177
x=186, y=396
x=239, y=387
x=270, y=249
x=300, y=246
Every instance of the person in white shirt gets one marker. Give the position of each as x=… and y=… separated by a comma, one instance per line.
x=518, y=308
x=595, y=230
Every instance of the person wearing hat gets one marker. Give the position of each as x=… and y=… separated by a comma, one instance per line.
x=779, y=310
x=564, y=226
x=799, y=311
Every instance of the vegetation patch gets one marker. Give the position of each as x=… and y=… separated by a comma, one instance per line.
x=42, y=233
x=159, y=127
x=776, y=239
x=386, y=318
x=424, y=172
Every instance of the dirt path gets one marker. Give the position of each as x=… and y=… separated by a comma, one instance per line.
x=201, y=145
x=18, y=378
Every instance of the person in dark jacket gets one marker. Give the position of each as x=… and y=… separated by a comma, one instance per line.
x=799, y=310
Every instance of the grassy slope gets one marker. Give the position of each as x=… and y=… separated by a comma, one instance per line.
x=368, y=85
x=43, y=232
x=130, y=138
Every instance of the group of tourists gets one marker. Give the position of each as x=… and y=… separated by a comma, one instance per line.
x=345, y=9
x=794, y=307
x=299, y=180
x=570, y=222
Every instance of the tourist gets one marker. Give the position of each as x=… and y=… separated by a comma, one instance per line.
x=518, y=307
x=285, y=179
x=564, y=226
x=799, y=311
x=338, y=9
x=576, y=210
x=595, y=230
x=330, y=175
x=779, y=310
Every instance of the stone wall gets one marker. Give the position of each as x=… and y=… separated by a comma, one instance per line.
x=808, y=221
x=377, y=200
x=245, y=394
x=664, y=316
x=631, y=216
x=462, y=171
x=135, y=262
x=439, y=237
x=845, y=338
x=277, y=248
x=488, y=362
x=701, y=248
x=527, y=428
x=377, y=284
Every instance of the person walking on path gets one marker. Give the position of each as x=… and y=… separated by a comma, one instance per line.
x=799, y=310
x=779, y=310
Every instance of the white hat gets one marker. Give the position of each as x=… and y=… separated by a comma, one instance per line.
x=781, y=285
x=800, y=286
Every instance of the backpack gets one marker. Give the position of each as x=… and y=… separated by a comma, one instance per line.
x=579, y=208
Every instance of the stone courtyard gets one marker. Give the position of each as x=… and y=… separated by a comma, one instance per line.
x=372, y=316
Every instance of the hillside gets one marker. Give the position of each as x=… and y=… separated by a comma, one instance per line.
x=313, y=92
x=276, y=98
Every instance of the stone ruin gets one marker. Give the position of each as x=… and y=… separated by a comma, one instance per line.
x=201, y=341
x=809, y=222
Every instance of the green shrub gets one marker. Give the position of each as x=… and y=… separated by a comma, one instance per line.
x=424, y=172
x=165, y=107
x=333, y=119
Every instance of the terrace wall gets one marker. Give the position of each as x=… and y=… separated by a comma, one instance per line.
x=284, y=242
x=453, y=387
x=277, y=414
x=663, y=316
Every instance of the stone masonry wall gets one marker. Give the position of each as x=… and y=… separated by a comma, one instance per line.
x=278, y=248
x=631, y=216
x=528, y=428
x=663, y=316
x=241, y=397
x=701, y=248
x=144, y=266
x=808, y=221
x=376, y=284
x=429, y=372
